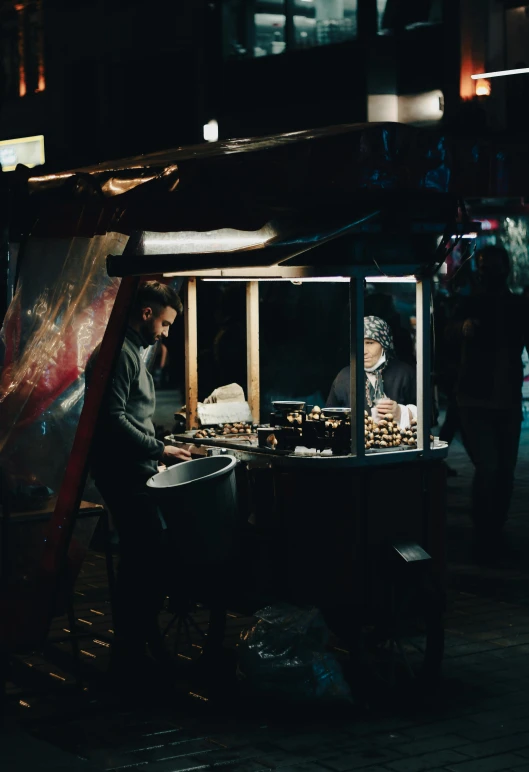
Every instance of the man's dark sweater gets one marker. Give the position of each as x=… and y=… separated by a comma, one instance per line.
x=124, y=443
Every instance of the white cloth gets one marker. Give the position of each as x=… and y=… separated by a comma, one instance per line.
x=230, y=393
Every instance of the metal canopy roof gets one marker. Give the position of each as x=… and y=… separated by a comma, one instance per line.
x=297, y=190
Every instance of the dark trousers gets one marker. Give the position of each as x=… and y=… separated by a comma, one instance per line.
x=491, y=439
x=141, y=576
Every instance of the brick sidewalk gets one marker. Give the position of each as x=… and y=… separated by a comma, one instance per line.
x=479, y=721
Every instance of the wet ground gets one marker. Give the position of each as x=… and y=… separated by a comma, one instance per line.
x=477, y=721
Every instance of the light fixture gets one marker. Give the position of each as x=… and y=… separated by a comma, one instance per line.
x=297, y=280
x=490, y=224
x=221, y=240
x=211, y=131
x=293, y=279
x=464, y=236
x=391, y=280
x=483, y=87
x=499, y=73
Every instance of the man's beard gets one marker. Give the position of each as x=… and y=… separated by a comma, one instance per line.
x=148, y=335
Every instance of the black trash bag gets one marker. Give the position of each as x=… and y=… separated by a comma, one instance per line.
x=284, y=656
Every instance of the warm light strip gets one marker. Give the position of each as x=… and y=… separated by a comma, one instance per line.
x=500, y=73
x=391, y=279
x=295, y=279
x=324, y=279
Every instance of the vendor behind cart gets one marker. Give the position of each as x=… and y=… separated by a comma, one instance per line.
x=125, y=454
x=390, y=385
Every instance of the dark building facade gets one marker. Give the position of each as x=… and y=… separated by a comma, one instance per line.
x=305, y=63
x=101, y=78
x=291, y=64
x=110, y=78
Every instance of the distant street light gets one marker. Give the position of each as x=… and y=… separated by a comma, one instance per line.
x=211, y=131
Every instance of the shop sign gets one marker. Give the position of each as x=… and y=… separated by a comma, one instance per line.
x=24, y=150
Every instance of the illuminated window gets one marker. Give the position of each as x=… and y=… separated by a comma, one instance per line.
x=268, y=27
x=22, y=54
x=407, y=14
x=270, y=22
x=9, y=54
x=323, y=22
x=35, y=77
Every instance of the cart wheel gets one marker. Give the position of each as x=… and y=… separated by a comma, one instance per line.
x=406, y=652
x=187, y=634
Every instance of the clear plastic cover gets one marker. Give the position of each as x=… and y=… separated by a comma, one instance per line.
x=57, y=317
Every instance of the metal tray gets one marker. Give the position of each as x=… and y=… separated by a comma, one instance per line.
x=289, y=406
x=390, y=450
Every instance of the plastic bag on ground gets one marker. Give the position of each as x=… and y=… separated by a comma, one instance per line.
x=283, y=655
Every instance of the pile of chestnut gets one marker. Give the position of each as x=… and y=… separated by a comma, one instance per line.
x=226, y=429
x=387, y=434
x=316, y=414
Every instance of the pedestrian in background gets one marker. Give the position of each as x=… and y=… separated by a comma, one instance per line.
x=490, y=329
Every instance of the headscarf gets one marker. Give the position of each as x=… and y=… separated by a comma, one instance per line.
x=379, y=330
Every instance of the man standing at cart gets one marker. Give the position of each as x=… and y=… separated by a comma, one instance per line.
x=125, y=454
x=490, y=329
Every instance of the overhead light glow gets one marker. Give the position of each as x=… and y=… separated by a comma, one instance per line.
x=292, y=279
x=311, y=279
x=211, y=131
x=391, y=279
x=500, y=73
x=221, y=240
x=465, y=236
x=425, y=107
x=483, y=87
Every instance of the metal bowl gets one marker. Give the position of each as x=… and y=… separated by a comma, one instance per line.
x=288, y=406
x=336, y=412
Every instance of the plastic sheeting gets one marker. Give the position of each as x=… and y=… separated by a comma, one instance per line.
x=284, y=656
x=58, y=316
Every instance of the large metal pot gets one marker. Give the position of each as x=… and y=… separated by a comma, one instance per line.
x=198, y=500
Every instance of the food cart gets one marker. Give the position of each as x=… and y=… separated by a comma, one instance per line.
x=333, y=205
x=310, y=478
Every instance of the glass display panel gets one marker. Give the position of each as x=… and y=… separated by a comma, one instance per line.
x=392, y=414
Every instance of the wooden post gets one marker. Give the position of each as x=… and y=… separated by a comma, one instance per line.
x=191, y=352
x=252, y=348
x=356, y=311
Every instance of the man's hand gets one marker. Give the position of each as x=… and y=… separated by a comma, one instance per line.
x=385, y=406
x=173, y=453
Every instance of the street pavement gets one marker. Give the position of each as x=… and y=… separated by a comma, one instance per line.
x=477, y=721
